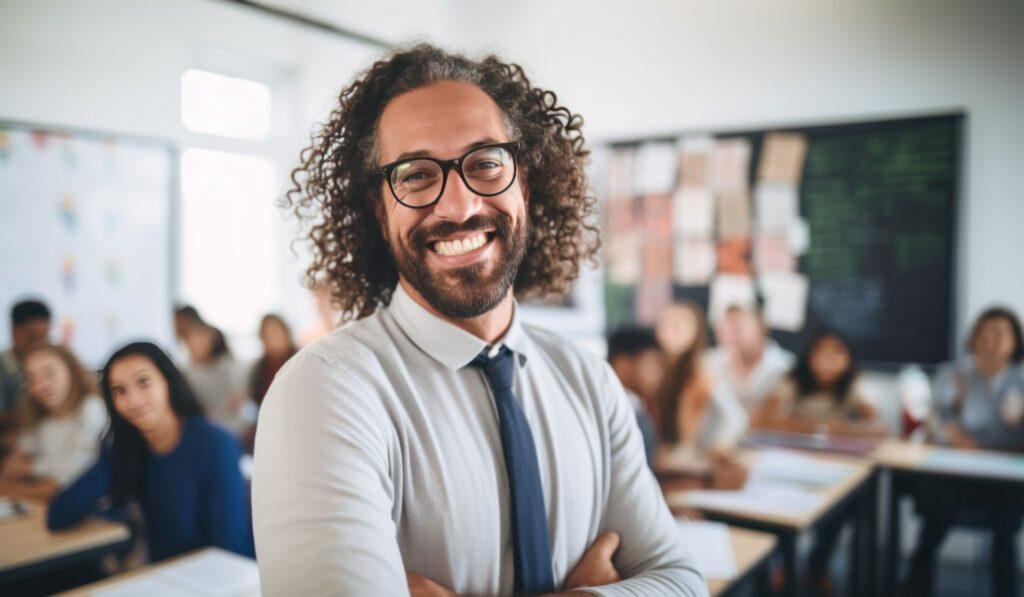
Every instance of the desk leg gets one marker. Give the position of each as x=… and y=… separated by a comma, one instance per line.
x=787, y=544
x=892, y=541
x=866, y=542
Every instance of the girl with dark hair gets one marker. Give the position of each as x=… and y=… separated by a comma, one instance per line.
x=821, y=393
x=161, y=452
x=278, y=347
x=978, y=403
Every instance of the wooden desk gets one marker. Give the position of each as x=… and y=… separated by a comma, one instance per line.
x=121, y=580
x=907, y=464
x=751, y=549
x=28, y=548
x=855, y=494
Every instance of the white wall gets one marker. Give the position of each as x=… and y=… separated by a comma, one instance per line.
x=646, y=66
x=630, y=68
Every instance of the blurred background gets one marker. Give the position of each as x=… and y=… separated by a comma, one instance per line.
x=852, y=169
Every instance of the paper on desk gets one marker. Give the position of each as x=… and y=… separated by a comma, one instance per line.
x=788, y=467
x=980, y=463
x=709, y=544
x=215, y=573
x=766, y=498
x=148, y=585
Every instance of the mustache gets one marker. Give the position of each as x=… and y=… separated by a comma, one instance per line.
x=500, y=224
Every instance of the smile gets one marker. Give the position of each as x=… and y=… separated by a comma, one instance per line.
x=452, y=248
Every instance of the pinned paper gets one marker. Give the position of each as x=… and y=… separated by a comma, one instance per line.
x=657, y=215
x=622, y=255
x=772, y=253
x=655, y=168
x=777, y=206
x=782, y=157
x=694, y=261
x=734, y=255
x=657, y=259
x=693, y=212
x=785, y=295
x=730, y=290
x=620, y=214
x=731, y=164
x=799, y=235
x=652, y=297
x=695, y=161
x=620, y=173
x=733, y=214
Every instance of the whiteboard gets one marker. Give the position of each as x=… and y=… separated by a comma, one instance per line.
x=85, y=225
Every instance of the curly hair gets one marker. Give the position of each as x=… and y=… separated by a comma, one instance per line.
x=337, y=186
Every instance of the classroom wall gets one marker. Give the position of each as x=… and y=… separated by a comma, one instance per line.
x=116, y=66
x=653, y=67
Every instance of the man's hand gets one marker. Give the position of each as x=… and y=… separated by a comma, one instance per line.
x=596, y=569
x=421, y=586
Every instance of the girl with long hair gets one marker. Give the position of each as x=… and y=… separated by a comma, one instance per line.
x=161, y=452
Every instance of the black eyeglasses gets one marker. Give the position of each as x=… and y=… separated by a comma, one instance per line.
x=418, y=183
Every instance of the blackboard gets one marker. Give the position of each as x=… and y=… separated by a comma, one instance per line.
x=880, y=199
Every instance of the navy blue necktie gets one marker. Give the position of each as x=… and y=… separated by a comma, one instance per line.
x=529, y=520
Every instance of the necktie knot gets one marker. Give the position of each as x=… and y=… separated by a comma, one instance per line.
x=498, y=369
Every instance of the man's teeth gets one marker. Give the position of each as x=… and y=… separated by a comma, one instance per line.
x=458, y=247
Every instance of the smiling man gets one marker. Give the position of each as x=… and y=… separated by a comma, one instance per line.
x=439, y=445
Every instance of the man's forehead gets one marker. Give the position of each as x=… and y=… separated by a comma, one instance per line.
x=440, y=119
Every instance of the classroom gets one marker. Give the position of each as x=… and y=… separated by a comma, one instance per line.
x=443, y=297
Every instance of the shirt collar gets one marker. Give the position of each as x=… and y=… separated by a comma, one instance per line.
x=448, y=344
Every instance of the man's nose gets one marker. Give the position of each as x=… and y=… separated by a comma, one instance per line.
x=457, y=203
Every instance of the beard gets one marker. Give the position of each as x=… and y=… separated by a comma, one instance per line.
x=470, y=291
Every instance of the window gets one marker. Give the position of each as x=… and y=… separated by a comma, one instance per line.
x=225, y=106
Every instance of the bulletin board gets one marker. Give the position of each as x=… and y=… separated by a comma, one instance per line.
x=849, y=227
x=85, y=225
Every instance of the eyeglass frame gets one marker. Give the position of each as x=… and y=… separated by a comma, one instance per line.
x=456, y=164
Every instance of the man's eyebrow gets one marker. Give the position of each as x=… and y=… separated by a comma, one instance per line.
x=424, y=153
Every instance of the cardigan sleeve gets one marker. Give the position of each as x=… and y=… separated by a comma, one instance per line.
x=78, y=500
x=224, y=511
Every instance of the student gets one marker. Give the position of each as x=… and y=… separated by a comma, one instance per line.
x=215, y=379
x=161, y=452
x=278, y=347
x=690, y=414
x=186, y=319
x=30, y=324
x=978, y=404
x=636, y=358
x=746, y=364
x=821, y=393
x=440, y=443
x=62, y=420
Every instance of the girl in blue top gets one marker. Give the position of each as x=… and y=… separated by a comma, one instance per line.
x=162, y=452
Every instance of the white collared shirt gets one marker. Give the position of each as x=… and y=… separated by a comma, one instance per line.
x=379, y=453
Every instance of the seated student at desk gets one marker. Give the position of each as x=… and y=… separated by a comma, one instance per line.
x=691, y=421
x=161, y=451
x=62, y=420
x=746, y=364
x=821, y=394
x=978, y=404
x=637, y=361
